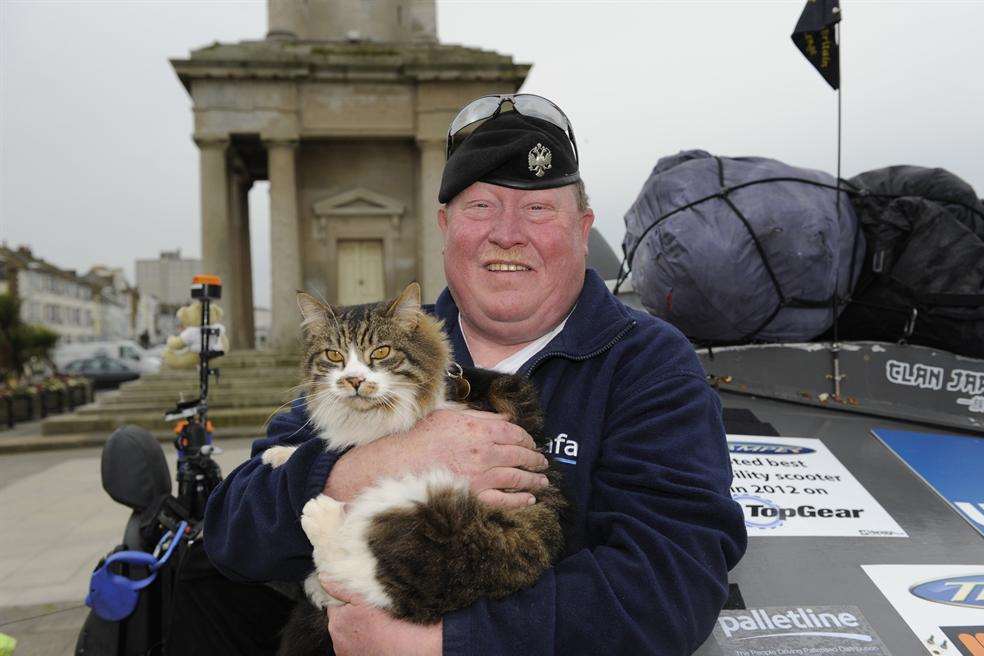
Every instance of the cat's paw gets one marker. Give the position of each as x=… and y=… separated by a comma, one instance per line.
x=277, y=455
x=321, y=518
x=317, y=594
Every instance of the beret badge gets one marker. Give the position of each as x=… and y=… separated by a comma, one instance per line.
x=539, y=160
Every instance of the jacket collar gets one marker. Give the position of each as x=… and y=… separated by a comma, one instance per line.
x=597, y=319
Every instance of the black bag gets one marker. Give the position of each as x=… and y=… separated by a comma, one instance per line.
x=923, y=276
x=209, y=614
x=193, y=610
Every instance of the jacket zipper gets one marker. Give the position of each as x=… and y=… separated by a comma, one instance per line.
x=580, y=358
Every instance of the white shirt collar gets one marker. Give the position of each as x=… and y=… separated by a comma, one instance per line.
x=511, y=364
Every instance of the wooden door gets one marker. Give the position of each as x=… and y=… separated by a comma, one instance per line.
x=360, y=271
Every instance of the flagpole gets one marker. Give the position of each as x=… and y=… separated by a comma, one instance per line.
x=835, y=347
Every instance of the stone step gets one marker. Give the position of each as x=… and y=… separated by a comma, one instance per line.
x=240, y=359
x=174, y=393
x=275, y=378
x=162, y=404
x=154, y=421
x=264, y=394
x=225, y=374
x=254, y=385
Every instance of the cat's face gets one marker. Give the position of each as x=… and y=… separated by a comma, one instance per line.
x=387, y=358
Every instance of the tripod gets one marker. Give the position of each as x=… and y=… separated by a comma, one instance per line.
x=197, y=473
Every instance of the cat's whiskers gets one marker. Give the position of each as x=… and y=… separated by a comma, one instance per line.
x=317, y=396
x=286, y=403
x=325, y=408
x=299, y=386
x=389, y=402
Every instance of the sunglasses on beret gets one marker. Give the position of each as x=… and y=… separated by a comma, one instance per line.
x=482, y=109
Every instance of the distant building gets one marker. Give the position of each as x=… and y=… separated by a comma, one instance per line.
x=168, y=280
x=116, y=303
x=55, y=298
x=168, y=277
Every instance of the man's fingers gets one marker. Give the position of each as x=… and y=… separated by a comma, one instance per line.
x=507, y=455
x=507, y=433
x=500, y=499
x=513, y=435
x=510, y=478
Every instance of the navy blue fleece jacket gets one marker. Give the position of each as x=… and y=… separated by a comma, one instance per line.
x=638, y=435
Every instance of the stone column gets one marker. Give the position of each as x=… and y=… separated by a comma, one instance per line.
x=285, y=245
x=237, y=297
x=282, y=19
x=430, y=259
x=217, y=254
x=247, y=315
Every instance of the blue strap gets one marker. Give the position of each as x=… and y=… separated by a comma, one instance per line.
x=145, y=559
x=132, y=558
x=113, y=597
x=178, y=534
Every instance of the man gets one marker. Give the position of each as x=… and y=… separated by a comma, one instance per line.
x=633, y=424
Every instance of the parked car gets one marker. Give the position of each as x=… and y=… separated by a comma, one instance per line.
x=104, y=372
x=131, y=353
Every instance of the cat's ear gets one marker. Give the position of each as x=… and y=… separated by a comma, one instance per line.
x=313, y=311
x=405, y=308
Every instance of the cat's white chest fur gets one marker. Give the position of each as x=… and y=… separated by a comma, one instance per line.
x=345, y=427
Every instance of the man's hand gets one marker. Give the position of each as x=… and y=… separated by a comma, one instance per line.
x=358, y=629
x=496, y=456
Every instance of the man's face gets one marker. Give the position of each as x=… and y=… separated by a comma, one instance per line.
x=514, y=259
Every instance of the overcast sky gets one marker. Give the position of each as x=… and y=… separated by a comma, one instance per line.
x=98, y=166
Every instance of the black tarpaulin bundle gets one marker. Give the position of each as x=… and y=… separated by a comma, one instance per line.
x=923, y=275
x=737, y=249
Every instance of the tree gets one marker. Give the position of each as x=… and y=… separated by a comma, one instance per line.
x=20, y=342
x=10, y=363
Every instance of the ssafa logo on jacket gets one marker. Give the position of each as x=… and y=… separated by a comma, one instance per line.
x=563, y=449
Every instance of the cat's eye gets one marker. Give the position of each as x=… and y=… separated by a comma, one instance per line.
x=380, y=353
x=334, y=356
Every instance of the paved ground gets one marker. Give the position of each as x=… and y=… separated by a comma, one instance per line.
x=57, y=522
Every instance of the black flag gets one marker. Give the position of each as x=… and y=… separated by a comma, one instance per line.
x=814, y=36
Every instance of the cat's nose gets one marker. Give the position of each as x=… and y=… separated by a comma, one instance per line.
x=354, y=381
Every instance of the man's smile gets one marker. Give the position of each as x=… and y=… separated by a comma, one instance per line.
x=510, y=267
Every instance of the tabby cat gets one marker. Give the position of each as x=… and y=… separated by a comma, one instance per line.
x=421, y=545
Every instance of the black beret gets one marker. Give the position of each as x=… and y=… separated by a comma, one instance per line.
x=511, y=150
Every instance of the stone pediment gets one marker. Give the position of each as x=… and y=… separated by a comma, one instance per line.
x=359, y=202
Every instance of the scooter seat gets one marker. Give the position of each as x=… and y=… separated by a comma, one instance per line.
x=134, y=470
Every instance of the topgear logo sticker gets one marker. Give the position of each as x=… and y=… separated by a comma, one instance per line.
x=770, y=449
